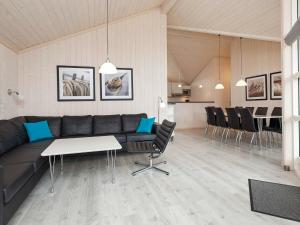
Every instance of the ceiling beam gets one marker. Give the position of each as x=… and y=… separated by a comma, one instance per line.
x=167, y=5
x=224, y=33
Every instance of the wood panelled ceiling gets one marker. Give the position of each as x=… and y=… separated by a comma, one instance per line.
x=248, y=18
x=192, y=51
x=25, y=23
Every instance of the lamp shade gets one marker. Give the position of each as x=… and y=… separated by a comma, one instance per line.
x=219, y=86
x=179, y=85
x=241, y=83
x=108, y=68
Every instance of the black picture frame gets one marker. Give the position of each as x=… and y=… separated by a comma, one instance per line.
x=271, y=85
x=265, y=97
x=118, y=98
x=61, y=98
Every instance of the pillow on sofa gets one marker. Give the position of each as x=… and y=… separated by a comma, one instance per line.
x=38, y=131
x=145, y=125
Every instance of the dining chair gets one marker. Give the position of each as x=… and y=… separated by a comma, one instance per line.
x=248, y=125
x=261, y=111
x=221, y=120
x=238, y=108
x=251, y=109
x=234, y=123
x=275, y=125
x=211, y=119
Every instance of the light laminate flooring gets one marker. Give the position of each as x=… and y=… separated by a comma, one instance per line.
x=208, y=185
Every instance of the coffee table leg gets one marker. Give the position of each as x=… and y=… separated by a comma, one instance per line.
x=52, y=166
x=113, y=163
x=61, y=164
x=107, y=152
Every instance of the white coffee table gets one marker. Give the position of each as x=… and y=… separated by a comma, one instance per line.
x=61, y=147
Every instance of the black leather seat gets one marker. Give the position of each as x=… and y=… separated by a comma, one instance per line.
x=155, y=148
x=15, y=177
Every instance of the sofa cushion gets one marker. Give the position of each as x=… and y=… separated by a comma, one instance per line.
x=15, y=177
x=8, y=136
x=77, y=125
x=108, y=124
x=38, y=131
x=19, y=123
x=29, y=153
x=132, y=137
x=130, y=122
x=54, y=123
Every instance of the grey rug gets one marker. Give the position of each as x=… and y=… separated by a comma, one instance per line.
x=275, y=199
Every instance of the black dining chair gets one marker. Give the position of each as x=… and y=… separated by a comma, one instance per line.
x=275, y=125
x=211, y=119
x=234, y=123
x=248, y=125
x=251, y=109
x=238, y=108
x=261, y=111
x=221, y=120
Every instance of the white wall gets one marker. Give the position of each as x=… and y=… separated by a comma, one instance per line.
x=259, y=57
x=209, y=77
x=138, y=42
x=8, y=79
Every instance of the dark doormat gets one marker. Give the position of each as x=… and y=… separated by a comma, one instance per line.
x=275, y=199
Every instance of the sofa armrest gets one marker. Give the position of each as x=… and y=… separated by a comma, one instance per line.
x=155, y=128
x=1, y=196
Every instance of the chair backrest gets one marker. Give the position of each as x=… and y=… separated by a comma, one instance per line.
x=277, y=111
x=237, y=109
x=164, y=134
x=221, y=120
x=247, y=121
x=262, y=111
x=233, y=118
x=251, y=109
x=276, y=122
x=211, y=118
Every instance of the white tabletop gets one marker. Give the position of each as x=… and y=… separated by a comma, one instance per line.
x=82, y=145
x=266, y=117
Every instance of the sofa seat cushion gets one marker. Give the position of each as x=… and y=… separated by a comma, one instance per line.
x=77, y=125
x=120, y=137
x=107, y=124
x=53, y=122
x=130, y=122
x=138, y=137
x=15, y=177
x=27, y=153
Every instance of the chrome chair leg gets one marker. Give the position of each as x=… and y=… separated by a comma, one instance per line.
x=252, y=138
x=237, y=137
x=227, y=133
x=206, y=129
x=149, y=166
x=223, y=134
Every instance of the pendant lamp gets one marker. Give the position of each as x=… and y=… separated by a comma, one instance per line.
x=241, y=82
x=219, y=85
x=107, y=67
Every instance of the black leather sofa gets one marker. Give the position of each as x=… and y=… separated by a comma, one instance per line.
x=21, y=164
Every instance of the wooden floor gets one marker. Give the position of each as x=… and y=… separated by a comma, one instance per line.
x=207, y=186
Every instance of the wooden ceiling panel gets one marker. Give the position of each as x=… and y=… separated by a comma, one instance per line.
x=192, y=51
x=259, y=18
x=25, y=23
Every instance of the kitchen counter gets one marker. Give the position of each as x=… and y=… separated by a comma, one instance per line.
x=188, y=116
x=192, y=102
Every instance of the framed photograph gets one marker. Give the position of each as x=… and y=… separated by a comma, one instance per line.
x=75, y=83
x=256, y=88
x=117, y=86
x=275, y=86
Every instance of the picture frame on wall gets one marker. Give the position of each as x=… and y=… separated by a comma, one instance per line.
x=75, y=83
x=275, y=86
x=256, y=88
x=117, y=87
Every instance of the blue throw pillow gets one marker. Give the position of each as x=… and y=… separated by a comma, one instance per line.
x=145, y=125
x=38, y=131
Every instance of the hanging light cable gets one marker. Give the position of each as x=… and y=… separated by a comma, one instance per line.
x=241, y=82
x=107, y=67
x=219, y=85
